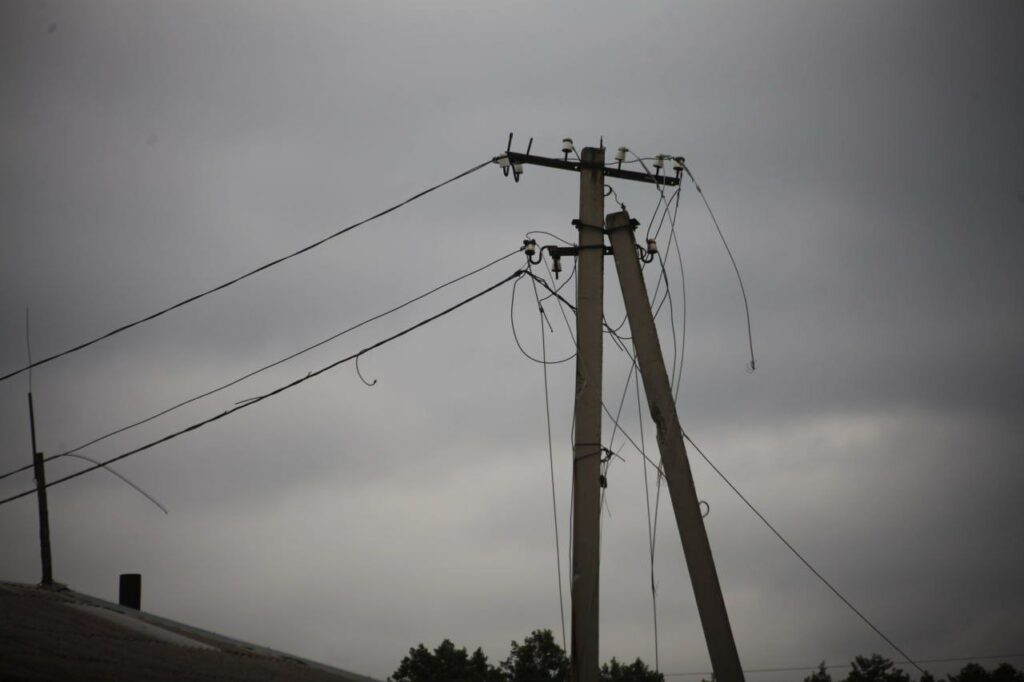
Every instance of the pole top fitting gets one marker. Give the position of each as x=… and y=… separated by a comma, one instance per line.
x=620, y=220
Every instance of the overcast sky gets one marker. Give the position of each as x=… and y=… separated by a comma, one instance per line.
x=863, y=158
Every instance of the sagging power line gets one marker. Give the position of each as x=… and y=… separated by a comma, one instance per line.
x=246, y=275
x=253, y=401
x=266, y=367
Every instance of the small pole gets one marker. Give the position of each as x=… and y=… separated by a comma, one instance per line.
x=44, y=513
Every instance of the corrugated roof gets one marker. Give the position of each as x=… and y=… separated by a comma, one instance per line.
x=48, y=634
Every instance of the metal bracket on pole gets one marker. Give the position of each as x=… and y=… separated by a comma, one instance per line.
x=708, y=591
x=578, y=166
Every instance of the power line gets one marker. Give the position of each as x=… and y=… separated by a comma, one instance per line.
x=551, y=457
x=124, y=478
x=515, y=335
x=743, y=289
x=791, y=669
x=664, y=213
x=650, y=525
x=604, y=406
x=248, y=274
x=249, y=403
x=264, y=368
x=800, y=556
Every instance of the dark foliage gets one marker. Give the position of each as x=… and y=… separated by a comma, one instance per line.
x=538, y=659
x=875, y=669
x=637, y=671
x=445, y=664
x=819, y=675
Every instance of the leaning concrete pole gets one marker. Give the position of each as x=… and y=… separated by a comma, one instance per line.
x=710, y=604
x=587, y=444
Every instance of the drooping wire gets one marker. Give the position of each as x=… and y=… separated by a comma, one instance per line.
x=636, y=377
x=800, y=556
x=650, y=525
x=662, y=208
x=362, y=378
x=604, y=406
x=123, y=478
x=743, y=290
x=674, y=240
x=672, y=319
x=550, y=234
x=551, y=456
x=246, y=275
x=28, y=347
x=675, y=345
x=264, y=368
x=260, y=398
x=515, y=334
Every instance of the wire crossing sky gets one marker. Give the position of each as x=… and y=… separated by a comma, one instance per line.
x=253, y=401
x=253, y=373
x=250, y=273
x=862, y=159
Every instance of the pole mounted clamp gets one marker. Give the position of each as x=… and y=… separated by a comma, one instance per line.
x=577, y=223
x=632, y=224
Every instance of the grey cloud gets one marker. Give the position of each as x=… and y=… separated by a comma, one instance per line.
x=863, y=160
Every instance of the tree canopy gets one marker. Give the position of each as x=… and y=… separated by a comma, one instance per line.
x=877, y=668
x=541, y=659
x=538, y=659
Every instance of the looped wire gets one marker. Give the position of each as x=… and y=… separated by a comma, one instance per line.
x=361, y=377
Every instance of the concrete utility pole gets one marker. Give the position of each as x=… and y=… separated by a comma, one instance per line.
x=725, y=660
x=590, y=253
x=587, y=445
x=44, y=512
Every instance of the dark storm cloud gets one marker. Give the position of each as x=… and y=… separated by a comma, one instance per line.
x=864, y=160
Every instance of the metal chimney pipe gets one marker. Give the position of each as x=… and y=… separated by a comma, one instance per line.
x=130, y=594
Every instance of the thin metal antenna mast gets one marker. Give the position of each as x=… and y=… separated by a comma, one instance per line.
x=40, y=474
